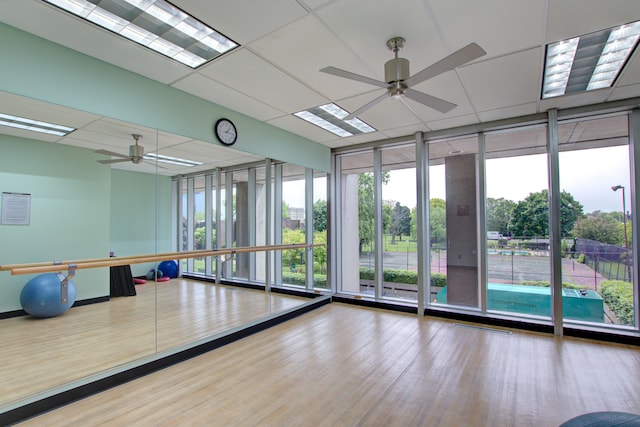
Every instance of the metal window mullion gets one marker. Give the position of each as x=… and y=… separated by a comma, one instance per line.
x=377, y=223
x=176, y=204
x=251, y=218
x=482, y=220
x=277, y=223
x=190, y=219
x=422, y=222
x=335, y=255
x=308, y=223
x=634, y=151
x=275, y=226
x=218, y=221
x=228, y=223
x=208, y=215
x=554, y=221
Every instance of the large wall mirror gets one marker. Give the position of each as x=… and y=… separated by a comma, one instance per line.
x=78, y=209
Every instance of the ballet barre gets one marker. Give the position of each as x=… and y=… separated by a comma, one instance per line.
x=72, y=266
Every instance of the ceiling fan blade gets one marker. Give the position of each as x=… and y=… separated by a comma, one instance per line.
x=357, y=77
x=106, y=162
x=457, y=58
x=430, y=101
x=111, y=153
x=366, y=106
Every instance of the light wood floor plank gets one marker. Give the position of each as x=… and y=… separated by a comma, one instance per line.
x=38, y=354
x=349, y=366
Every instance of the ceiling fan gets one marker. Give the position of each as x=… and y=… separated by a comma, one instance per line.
x=136, y=153
x=398, y=82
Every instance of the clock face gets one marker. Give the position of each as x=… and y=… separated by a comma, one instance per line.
x=226, y=132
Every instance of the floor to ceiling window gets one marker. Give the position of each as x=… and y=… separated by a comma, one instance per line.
x=492, y=198
x=597, y=260
x=517, y=221
x=453, y=174
x=399, y=239
x=356, y=224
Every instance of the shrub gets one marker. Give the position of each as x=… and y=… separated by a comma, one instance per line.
x=581, y=258
x=403, y=276
x=319, y=280
x=618, y=295
x=545, y=284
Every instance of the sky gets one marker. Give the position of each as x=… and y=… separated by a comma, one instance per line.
x=587, y=174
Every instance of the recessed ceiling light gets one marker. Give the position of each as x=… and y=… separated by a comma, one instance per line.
x=156, y=24
x=34, y=125
x=330, y=117
x=588, y=62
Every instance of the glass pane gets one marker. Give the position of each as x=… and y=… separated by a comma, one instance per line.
x=596, y=235
x=199, y=223
x=261, y=224
x=320, y=230
x=356, y=223
x=399, y=201
x=518, y=263
x=241, y=222
x=293, y=223
x=453, y=221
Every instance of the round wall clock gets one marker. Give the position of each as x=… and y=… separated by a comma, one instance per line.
x=226, y=132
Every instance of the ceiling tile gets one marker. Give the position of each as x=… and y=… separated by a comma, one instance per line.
x=244, y=20
x=204, y=87
x=508, y=112
x=252, y=76
x=500, y=27
x=505, y=81
x=364, y=27
x=289, y=49
x=569, y=18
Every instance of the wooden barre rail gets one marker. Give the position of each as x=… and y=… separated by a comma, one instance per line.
x=52, y=267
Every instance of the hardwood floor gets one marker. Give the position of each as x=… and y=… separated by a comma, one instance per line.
x=344, y=365
x=38, y=354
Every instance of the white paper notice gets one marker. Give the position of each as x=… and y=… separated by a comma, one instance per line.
x=16, y=208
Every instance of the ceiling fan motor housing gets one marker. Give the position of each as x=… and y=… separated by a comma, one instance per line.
x=136, y=152
x=396, y=70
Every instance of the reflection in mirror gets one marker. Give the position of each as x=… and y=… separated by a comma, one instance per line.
x=81, y=209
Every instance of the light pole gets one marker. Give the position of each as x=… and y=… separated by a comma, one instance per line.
x=624, y=221
x=624, y=214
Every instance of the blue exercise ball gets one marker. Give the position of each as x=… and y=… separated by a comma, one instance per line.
x=169, y=269
x=40, y=296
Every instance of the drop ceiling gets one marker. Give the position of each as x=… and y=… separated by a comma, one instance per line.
x=284, y=44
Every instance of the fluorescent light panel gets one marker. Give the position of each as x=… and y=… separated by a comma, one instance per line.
x=34, y=125
x=171, y=160
x=588, y=62
x=330, y=117
x=156, y=24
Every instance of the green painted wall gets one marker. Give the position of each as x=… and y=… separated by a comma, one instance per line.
x=39, y=69
x=140, y=216
x=70, y=198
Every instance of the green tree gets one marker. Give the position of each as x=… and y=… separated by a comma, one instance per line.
x=437, y=220
x=499, y=213
x=320, y=252
x=366, y=207
x=292, y=257
x=285, y=210
x=320, y=215
x=400, y=222
x=601, y=227
x=387, y=213
x=530, y=216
